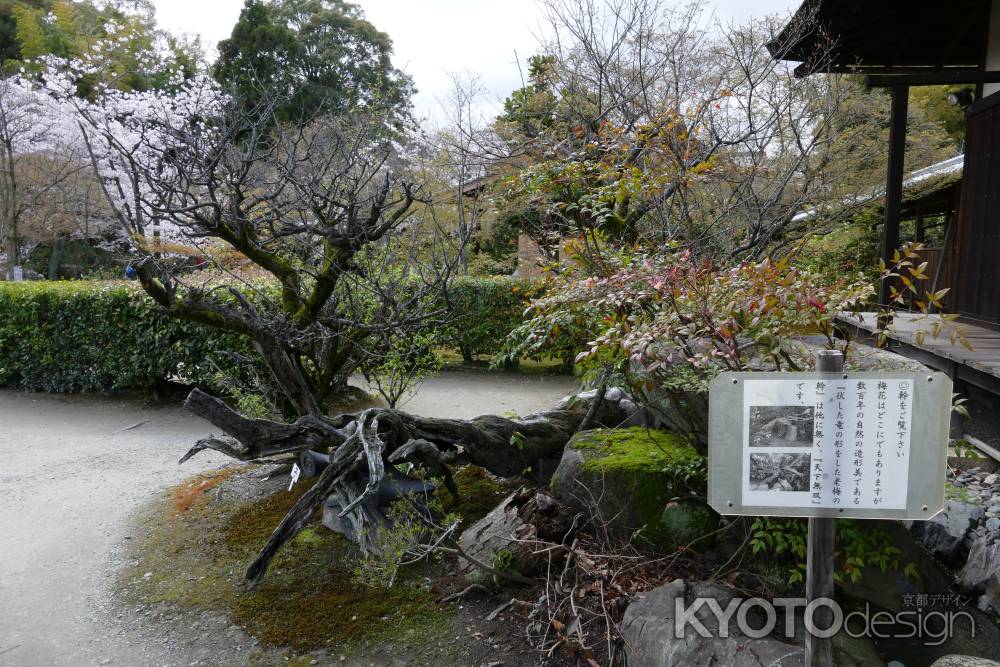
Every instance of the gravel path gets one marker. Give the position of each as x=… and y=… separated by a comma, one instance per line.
x=72, y=470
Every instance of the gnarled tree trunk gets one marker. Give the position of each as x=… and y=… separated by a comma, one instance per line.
x=362, y=444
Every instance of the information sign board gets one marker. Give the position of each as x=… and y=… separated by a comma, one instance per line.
x=864, y=445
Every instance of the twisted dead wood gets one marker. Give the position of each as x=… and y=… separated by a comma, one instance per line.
x=362, y=444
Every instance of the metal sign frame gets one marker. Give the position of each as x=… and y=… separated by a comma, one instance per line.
x=931, y=414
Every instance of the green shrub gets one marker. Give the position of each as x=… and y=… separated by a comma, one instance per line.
x=484, y=312
x=783, y=542
x=101, y=336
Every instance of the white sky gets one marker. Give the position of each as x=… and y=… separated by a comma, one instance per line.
x=433, y=38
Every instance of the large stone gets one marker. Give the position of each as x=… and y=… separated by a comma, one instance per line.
x=626, y=478
x=861, y=357
x=972, y=634
x=648, y=627
x=944, y=535
x=981, y=572
x=889, y=590
x=964, y=661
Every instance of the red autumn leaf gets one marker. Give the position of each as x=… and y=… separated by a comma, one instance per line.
x=816, y=303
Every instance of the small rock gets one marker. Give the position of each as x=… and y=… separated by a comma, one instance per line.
x=993, y=523
x=544, y=502
x=991, y=479
x=614, y=394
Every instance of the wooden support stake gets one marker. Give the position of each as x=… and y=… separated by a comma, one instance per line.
x=819, y=554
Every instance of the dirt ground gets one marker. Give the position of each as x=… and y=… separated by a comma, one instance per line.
x=75, y=469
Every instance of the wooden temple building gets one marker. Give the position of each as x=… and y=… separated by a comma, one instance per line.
x=899, y=44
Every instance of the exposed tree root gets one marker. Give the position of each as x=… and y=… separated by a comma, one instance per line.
x=361, y=445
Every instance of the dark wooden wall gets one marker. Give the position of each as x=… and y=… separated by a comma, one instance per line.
x=975, y=275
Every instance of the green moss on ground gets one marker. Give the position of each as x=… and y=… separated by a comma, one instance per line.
x=305, y=603
x=478, y=493
x=196, y=559
x=453, y=360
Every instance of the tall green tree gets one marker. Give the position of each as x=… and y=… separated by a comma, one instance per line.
x=322, y=53
x=531, y=109
x=933, y=103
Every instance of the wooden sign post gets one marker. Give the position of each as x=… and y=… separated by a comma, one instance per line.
x=828, y=445
x=820, y=544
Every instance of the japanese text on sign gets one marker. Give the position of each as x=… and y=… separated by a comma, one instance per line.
x=827, y=443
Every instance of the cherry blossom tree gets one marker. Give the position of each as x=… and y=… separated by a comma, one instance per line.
x=40, y=150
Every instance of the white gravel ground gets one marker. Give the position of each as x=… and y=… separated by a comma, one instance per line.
x=72, y=471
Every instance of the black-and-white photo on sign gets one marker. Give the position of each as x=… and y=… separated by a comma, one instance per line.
x=782, y=425
x=780, y=472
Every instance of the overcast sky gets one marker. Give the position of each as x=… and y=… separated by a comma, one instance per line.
x=433, y=38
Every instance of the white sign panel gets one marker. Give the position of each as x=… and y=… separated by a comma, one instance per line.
x=864, y=445
x=827, y=443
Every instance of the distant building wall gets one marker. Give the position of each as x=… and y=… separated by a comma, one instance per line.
x=529, y=258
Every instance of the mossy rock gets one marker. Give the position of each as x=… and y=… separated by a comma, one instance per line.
x=630, y=478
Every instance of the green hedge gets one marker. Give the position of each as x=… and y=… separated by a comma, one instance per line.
x=484, y=312
x=100, y=336
x=103, y=336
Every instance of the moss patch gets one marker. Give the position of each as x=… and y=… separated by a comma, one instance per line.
x=478, y=493
x=307, y=601
x=196, y=559
x=635, y=448
x=635, y=473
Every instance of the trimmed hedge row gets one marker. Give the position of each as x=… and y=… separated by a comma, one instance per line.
x=100, y=336
x=106, y=336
